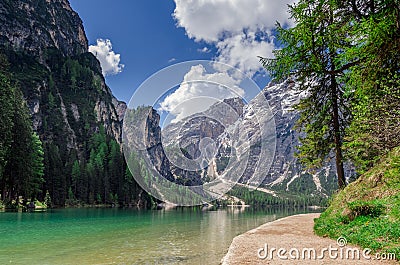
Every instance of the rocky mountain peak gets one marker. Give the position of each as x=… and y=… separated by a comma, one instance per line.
x=47, y=48
x=285, y=174
x=36, y=25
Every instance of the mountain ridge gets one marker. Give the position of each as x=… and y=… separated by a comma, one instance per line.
x=286, y=175
x=35, y=25
x=73, y=111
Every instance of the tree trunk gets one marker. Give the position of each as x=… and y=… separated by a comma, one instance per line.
x=338, y=141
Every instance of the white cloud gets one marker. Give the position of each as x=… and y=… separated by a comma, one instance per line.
x=109, y=60
x=204, y=50
x=198, y=91
x=242, y=50
x=232, y=26
x=240, y=30
x=172, y=60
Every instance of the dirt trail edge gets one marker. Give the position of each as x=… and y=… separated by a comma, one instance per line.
x=295, y=236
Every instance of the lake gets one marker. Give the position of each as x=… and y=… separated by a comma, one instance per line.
x=125, y=236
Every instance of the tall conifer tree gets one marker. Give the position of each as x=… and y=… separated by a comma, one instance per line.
x=313, y=54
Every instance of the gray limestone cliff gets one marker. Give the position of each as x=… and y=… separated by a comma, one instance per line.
x=33, y=26
x=46, y=45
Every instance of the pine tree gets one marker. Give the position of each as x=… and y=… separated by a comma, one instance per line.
x=376, y=82
x=312, y=53
x=54, y=176
x=36, y=166
x=6, y=122
x=75, y=175
x=115, y=167
x=21, y=151
x=18, y=169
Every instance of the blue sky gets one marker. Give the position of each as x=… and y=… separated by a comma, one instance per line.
x=143, y=32
x=149, y=35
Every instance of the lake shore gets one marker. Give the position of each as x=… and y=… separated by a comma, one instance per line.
x=294, y=234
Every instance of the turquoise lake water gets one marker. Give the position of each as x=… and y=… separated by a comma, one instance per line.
x=118, y=236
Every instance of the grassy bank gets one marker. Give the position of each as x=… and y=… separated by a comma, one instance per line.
x=367, y=212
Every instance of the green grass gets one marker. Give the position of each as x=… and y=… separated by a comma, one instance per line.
x=367, y=212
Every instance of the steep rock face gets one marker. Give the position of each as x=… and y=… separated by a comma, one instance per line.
x=73, y=111
x=46, y=45
x=33, y=26
x=146, y=141
x=252, y=123
x=154, y=146
x=209, y=124
x=120, y=107
x=200, y=129
x=282, y=97
x=186, y=136
x=286, y=173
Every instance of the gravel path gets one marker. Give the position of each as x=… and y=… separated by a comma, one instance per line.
x=294, y=234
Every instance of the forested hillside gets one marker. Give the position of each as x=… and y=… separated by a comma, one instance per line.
x=60, y=122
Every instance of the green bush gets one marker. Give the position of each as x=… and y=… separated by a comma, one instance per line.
x=366, y=208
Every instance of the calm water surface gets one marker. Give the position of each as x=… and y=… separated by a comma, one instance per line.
x=117, y=236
